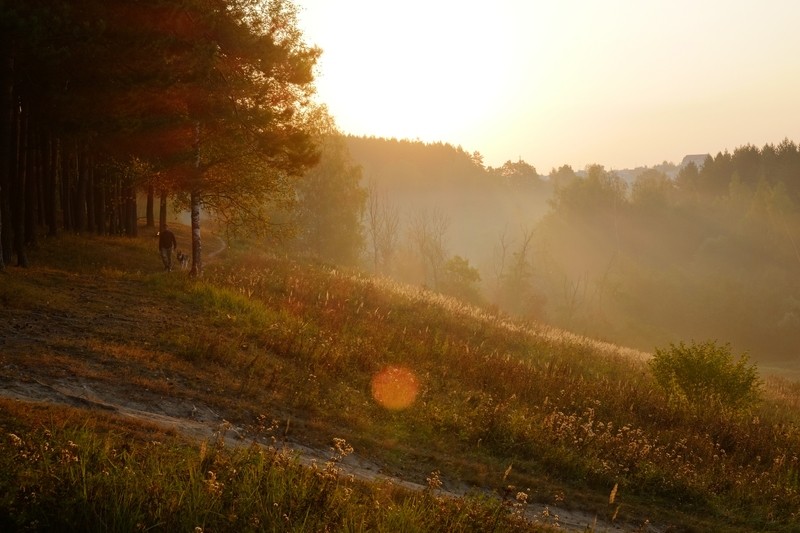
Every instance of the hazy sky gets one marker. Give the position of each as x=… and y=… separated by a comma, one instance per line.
x=622, y=83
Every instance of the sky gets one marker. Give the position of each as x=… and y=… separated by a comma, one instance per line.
x=614, y=82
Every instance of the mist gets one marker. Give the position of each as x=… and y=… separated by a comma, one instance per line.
x=638, y=257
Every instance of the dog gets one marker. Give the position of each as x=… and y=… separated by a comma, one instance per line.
x=183, y=259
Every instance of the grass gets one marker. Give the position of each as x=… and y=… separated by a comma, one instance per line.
x=267, y=341
x=95, y=475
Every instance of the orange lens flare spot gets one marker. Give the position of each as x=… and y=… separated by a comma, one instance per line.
x=395, y=387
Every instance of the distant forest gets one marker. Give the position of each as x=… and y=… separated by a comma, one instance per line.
x=709, y=252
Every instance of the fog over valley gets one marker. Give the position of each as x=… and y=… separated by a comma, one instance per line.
x=702, y=249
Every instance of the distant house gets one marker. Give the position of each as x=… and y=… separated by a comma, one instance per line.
x=697, y=159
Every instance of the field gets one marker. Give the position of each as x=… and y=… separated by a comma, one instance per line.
x=282, y=395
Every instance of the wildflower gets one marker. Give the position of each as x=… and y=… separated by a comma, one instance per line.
x=214, y=487
x=434, y=481
x=342, y=448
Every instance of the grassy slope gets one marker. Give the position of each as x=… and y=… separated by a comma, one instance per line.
x=497, y=405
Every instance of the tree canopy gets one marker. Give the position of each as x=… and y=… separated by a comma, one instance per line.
x=711, y=253
x=209, y=95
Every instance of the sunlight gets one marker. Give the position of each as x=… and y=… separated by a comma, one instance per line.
x=575, y=82
x=416, y=70
x=395, y=387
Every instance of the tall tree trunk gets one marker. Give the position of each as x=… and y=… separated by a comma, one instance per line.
x=50, y=191
x=197, y=263
x=90, y=207
x=162, y=211
x=131, y=219
x=151, y=222
x=66, y=185
x=113, y=206
x=6, y=153
x=41, y=177
x=31, y=182
x=81, y=168
x=100, y=206
x=2, y=261
x=18, y=189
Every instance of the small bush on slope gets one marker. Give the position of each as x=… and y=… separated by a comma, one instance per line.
x=706, y=374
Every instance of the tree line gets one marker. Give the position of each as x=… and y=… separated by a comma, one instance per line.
x=670, y=253
x=710, y=254
x=204, y=102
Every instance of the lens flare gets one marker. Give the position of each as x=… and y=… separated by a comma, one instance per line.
x=395, y=387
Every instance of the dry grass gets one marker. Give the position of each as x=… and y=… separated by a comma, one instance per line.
x=262, y=338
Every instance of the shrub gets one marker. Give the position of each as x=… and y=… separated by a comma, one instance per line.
x=705, y=372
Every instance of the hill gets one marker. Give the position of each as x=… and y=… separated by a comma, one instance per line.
x=111, y=370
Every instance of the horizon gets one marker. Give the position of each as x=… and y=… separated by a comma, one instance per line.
x=577, y=83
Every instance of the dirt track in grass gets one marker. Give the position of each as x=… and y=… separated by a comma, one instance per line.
x=87, y=339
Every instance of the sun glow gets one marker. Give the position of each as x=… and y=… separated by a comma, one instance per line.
x=412, y=69
x=571, y=82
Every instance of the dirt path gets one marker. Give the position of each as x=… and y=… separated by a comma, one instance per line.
x=199, y=422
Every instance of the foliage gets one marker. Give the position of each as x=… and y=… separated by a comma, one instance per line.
x=331, y=200
x=460, y=280
x=208, y=95
x=708, y=253
x=519, y=173
x=705, y=374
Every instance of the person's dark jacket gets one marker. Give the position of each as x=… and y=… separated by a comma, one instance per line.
x=166, y=239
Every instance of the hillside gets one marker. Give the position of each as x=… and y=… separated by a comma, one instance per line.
x=100, y=352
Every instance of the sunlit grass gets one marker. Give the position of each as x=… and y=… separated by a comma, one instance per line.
x=98, y=476
x=585, y=412
x=494, y=402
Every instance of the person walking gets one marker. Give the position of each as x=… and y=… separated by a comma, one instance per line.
x=167, y=243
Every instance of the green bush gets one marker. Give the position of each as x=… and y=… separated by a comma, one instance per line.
x=707, y=372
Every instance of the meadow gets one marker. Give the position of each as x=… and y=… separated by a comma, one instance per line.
x=438, y=392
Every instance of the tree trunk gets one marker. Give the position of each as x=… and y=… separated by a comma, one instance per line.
x=31, y=183
x=91, y=218
x=18, y=189
x=51, y=182
x=41, y=177
x=197, y=264
x=151, y=222
x=6, y=153
x=66, y=186
x=100, y=207
x=131, y=219
x=2, y=261
x=81, y=168
x=162, y=211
